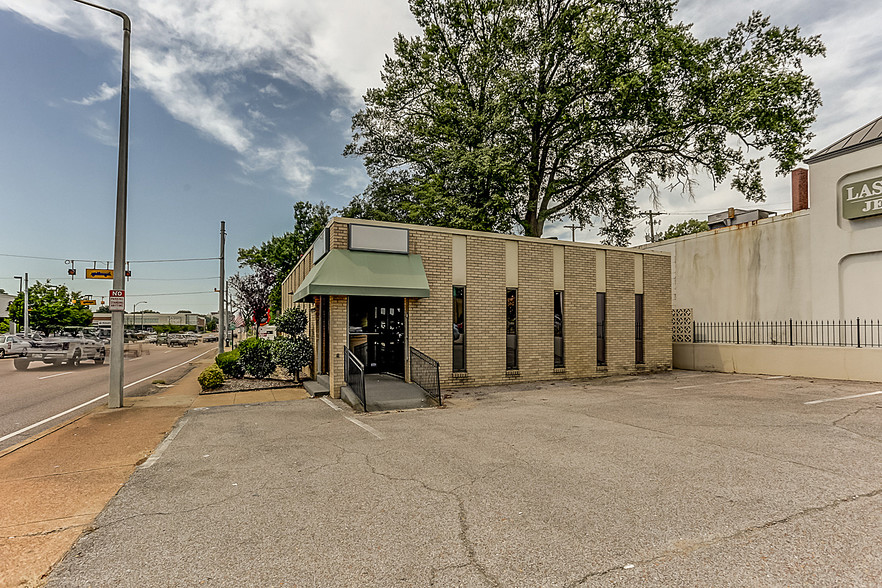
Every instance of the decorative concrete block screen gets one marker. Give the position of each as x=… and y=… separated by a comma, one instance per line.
x=682, y=323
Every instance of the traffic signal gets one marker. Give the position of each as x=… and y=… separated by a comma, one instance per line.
x=71, y=272
x=128, y=273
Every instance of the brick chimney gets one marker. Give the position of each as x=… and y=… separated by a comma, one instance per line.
x=799, y=189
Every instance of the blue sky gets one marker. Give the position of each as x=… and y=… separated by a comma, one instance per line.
x=239, y=108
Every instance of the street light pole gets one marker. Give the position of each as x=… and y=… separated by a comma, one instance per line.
x=115, y=398
x=26, y=301
x=135, y=311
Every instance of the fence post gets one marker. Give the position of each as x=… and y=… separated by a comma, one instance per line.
x=791, y=332
x=859, y=332
x=737, y=332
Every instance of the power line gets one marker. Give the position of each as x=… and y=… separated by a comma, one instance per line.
x=107, y=262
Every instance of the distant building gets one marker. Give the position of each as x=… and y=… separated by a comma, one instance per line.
x=5, y=300
x=736, y=216
x=148, y=320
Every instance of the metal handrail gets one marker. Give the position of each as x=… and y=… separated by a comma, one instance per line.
x=424, y=372
x=354, y=374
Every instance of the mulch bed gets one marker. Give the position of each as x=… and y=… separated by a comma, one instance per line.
x=248, y=383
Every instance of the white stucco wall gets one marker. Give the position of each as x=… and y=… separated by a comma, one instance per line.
x=750, y=272
x=846, y=254
x=808, y=265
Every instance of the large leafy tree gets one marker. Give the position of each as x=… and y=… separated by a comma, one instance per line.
x=51, y=308
x=251, y=292
x=282, y=253
x=515, y=113
x=687, y=227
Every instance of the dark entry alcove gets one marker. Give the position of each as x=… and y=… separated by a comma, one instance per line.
x=376, y=333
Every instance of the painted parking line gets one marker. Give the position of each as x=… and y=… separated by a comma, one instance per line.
x=843, y=397
x=367, y=428
x=54, y=375
x=87, y=403
x=716, y=384
x=354, y=421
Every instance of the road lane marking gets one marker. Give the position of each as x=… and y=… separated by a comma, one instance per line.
x=168, y=370
x=843, y=398
x=44, y=421
x=54, y=375
x=70, y=410
x=367, y=428
x=165, y=443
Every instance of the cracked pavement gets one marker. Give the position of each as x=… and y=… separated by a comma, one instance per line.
x=683, y=478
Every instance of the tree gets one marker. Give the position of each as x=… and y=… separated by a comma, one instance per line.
x=103, y=309
x=687, y=227
x=283, y=253
x=51, y=308
x=516, y=112
x=252, y=292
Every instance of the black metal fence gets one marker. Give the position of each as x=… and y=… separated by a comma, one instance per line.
x=856, y=333
x=354, y=371
x=424, y=373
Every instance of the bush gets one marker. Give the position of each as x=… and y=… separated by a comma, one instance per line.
x=256, y=357
x=230, y=364
x=211, y=377
x=292, y=354
x=292, y=322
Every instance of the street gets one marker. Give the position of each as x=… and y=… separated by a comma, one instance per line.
x=45, y=393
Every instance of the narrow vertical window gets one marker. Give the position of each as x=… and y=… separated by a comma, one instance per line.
x=511, y=329
x=638, y=328
x=459, y=338
x=601, y=328
x=558, y=330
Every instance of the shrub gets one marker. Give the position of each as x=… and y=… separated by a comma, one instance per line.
x=230, y=364
x=256, y=357
x=211, y=377
x=292, y=354
x=292, y=322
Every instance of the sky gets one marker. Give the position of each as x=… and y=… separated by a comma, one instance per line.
x=239, y=108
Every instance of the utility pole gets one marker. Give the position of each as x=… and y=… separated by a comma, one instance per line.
x=573, y=227
x=650, y=214
x=117, y=326
x=27, y=304
x=221, y=311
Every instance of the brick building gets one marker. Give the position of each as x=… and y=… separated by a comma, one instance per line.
x=489, y=308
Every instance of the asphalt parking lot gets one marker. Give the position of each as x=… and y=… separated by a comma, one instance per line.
x=675, y=479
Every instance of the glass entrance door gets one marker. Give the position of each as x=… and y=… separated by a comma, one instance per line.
x=376, y=333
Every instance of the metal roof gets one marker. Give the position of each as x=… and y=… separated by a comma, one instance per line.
x=867, y=135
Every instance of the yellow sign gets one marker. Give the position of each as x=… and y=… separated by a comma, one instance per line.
x=88, y=302
x=98, y=274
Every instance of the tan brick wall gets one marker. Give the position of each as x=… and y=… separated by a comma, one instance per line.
x=580, y=312
x=485, y=311
x=339, y=236
x=430, y=320
x=338, y=335
x=657, y=331
x=620, y=311
x=535, y=311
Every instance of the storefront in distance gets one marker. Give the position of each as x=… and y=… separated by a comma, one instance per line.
x=489, y=308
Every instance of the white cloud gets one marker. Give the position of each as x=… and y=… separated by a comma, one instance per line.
x=289, y=160
x=103, y=93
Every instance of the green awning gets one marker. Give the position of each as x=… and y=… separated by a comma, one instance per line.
x=365, y=273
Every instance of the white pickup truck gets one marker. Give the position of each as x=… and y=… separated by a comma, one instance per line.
x=71, y=345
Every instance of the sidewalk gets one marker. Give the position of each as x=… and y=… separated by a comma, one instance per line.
x=54, y=485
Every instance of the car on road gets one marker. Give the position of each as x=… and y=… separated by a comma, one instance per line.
x=13, y=345
x=175, y=339
x=209, y=337
x=71, y=345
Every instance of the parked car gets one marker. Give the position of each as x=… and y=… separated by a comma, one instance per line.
x=175, y=339
x=209, y=337
x=13, y=345
x=71, y=345
x=161, y=339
